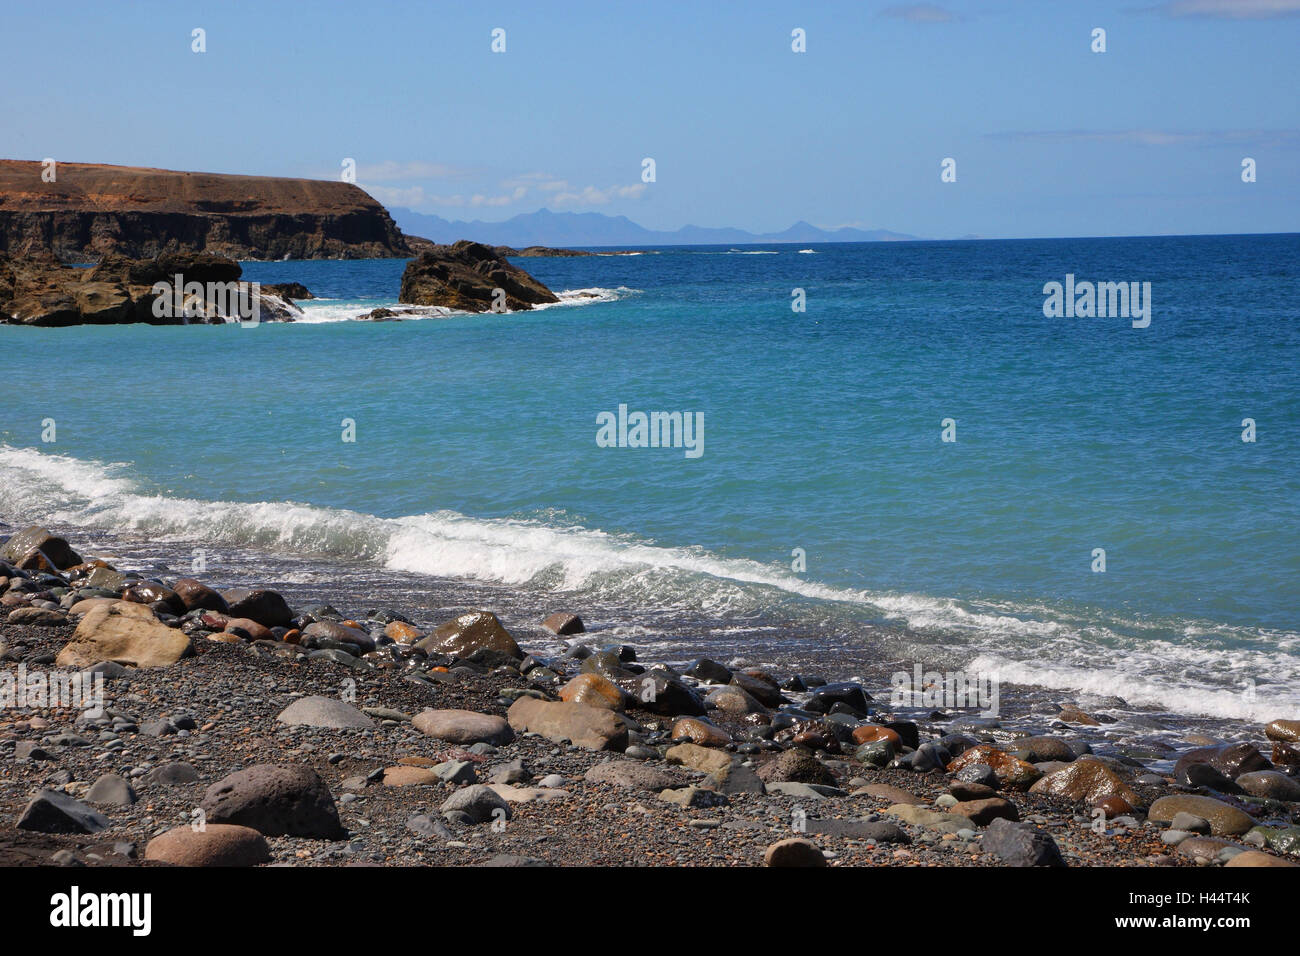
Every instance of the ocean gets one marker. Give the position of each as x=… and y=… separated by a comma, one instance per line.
x=825, y=519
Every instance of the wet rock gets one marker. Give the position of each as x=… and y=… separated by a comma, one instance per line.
x=1269, y=784
x=708, y=671
x=734, y=700
x=594, y=691
x=847, y=693
x=1011, y=772
x=661, y=692
x=1087, y=781
x=563, y=624
x=469, y=632
x=57, y=552
x=1041, y=749
x=1224, y=820
x=1287, y=731
x=1231, y=760
x=265, y=607
x=870, y=733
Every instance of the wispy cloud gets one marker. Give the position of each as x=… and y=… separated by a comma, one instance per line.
x=1231, y=9
x=919, y=13
x=554, y=190
x=1156, y=137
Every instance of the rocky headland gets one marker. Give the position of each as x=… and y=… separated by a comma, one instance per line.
x=89, y=210
x=466, y=276
x=237, y=729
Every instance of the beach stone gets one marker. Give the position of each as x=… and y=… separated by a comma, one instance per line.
x=1203, y=849
x=1285, y=755
x=563, y=624
x=478, y=802
x=1011, y=771
x=1203, y=775
x=1020, y=844
x=326, y=712
x=1258, y=858
x=1086, y=781
x=930, y=819
x=594, y=691
x=456, y=772
x=735, y=778
x=732, y=699
x=1224, y=820
x=1287, y=731
x=195, y=596
x=871, y=733
x=804, y=791
x=700, y=732
x=468, y=633
x=589, y=727
x=708, y=671
x=1073, y=715
x=113, y=633
x=762, y=688
x=52, y=811
x=511, y=794
x=464, y=727
x=979, y=773
x=38, y=616
x=57, y=551
x=218, y=844
x=276, y=800
x=796, y=766
x=1042, y=749
x=111, y=790
x=153, y=594
x=1231, y=760
x=324, y=631
x=1279, y=839
x=404, y=776
x=1191, y=823
x=851, y=695
x=879, y=753
x=793, y=852
x=634, y=776
x=881, y=831
x=984, y=812
x=265, y=607
x=661, y=692
x=1269, y=784
x=698, y=758
x=248, y=629
x=401, y=632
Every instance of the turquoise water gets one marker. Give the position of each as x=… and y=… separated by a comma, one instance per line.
x=476, y=456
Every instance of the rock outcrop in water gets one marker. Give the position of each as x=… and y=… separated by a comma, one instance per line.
x=91, y=209
x=466, y=276
x=39, y=290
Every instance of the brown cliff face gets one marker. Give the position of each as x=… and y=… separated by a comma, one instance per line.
x=91, y=210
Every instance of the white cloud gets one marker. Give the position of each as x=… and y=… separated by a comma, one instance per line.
x=515, y=189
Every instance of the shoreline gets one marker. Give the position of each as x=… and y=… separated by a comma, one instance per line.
x=652, y=803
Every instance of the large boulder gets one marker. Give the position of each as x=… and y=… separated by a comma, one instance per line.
x=275, y=800
x=465, y=276
x=118, y=632
x=1231, y=760
x=468, y=633
x=52, y=811
x=589, y=727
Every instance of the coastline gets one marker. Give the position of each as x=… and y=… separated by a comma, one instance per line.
x=234, y=688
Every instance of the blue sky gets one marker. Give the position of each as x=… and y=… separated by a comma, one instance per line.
x=1050, y=138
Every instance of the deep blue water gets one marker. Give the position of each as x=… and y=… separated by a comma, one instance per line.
x=476, y=453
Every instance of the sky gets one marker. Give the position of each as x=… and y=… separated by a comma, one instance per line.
x=1049, y=137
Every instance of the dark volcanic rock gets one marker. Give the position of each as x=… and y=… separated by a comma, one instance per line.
x=51, y=811
x=1020, y=844
x=275, y=800
x=465, y=276
x=265, y=607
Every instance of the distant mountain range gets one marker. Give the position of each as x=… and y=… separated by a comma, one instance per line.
x=546, y=228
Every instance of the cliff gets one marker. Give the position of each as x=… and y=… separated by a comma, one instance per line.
x=91, y=210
